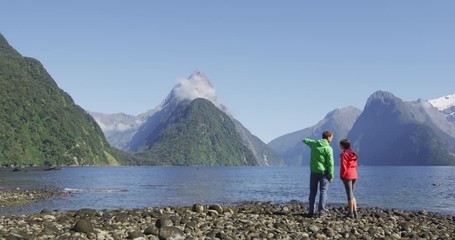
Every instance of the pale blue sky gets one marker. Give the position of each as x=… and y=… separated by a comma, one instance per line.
x=279, y=66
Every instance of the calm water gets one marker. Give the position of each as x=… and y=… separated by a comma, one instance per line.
x=412, y=188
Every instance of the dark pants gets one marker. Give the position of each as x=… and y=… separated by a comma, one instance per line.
x=321, y=179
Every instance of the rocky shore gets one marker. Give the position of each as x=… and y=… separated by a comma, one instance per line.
x=246, y=221
x=24, y=196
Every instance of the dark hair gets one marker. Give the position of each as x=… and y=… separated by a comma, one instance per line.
x=326, y=134
x=345, y=143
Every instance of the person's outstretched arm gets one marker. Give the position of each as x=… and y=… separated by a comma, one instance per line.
x=309, y=142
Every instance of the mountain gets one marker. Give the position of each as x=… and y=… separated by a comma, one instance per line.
x=190, y=127
x=393, y=132
x=120, y=128
x=446, y=105
x=263, y=153
x=295, y=153
x=196, y=133
x=40, y=123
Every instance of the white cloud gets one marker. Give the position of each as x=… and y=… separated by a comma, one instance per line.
x=197, y=86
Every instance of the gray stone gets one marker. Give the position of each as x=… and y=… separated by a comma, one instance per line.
x=217, y=208
x=221, y=235
x=320, y=236
x=406, y=226
x=328, y=232
x=152, y=230
x=14, y=237
x=313, y=229
x=24, y=234
x=372, y=231
x=83, y=226
x=352, y=237
x=49, y=229
x=213, y=213
x=135, y=234
x=425, y=235
x=175, y=219
x=122, y=217
x=49, y=218
x=86, y=212
x=280, y=225
x=198, y=208
x=192, y=225
x=212, y=234
x=173, y=233
x=164, y=222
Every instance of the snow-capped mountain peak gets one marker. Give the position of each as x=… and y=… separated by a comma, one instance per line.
x=443, y=103
x=197, y=85
x=121, y=128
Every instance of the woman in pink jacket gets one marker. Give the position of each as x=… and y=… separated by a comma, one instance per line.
x=348, y=174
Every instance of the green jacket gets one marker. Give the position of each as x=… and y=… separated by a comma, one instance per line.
x=321, y=156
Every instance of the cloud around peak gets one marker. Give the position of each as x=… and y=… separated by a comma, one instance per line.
x=196, y=86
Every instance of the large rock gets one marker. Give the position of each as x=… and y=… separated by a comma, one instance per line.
x=164, y=222
x=152, y=230
x=217, y=208
x=168, y=233
x=83, y=226
x=198, y=208
x=135, y=234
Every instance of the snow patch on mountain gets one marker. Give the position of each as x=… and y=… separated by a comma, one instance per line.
x=444, y=103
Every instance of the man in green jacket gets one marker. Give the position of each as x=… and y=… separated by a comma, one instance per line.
x=321, y=166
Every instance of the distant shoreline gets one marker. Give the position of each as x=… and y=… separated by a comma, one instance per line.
x=263, y=220
x=19, y=196
x=30, y=168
